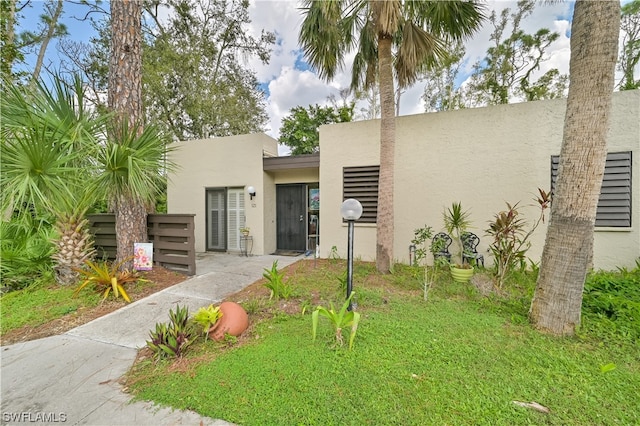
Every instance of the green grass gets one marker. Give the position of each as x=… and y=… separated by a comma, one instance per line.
x=457, y=359
x=37, y=305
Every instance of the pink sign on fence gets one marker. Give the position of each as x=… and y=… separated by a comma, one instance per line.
x=143, y=256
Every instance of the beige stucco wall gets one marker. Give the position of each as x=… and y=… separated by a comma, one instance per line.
x=233, y=162
x=481, y=157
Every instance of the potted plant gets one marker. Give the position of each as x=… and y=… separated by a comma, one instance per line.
x=456, y=221
x=245, y=230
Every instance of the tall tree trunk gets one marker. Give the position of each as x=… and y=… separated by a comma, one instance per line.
x=9, y=50
x=51, y=31
x=125, y=99
x=125, y=66
x=568, y=248
x=385, y=228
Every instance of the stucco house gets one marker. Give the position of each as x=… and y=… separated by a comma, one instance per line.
x=481, y=157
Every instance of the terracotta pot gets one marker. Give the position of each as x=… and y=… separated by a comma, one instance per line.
x=234, y=321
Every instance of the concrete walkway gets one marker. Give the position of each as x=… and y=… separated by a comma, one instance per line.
x=73, y=378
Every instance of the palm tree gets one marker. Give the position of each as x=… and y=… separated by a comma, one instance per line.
x=396, y=36
x=568, y=248
x=48, y=138
x=131, y=165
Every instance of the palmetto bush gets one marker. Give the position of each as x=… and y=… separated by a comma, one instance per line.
x=60, y=158
x=25, y=251
x=48, y=140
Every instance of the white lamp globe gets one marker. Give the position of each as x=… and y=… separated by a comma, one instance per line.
x=351, y=209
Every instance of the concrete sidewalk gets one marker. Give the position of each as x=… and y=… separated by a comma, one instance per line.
x=73, y=378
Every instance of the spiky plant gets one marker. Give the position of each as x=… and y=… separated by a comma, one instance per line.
x=48, y=140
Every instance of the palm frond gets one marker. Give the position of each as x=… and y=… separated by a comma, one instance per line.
x=418, y=47
x=451, y=19
x=133, y=163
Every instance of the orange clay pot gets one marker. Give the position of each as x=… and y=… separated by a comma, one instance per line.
x=234, y=321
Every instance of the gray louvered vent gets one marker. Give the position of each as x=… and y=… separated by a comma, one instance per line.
x=614, y=205
x=361, y=183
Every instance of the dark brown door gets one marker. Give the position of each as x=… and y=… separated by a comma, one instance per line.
x=291, y=213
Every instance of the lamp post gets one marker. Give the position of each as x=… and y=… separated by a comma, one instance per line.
x=351, y=210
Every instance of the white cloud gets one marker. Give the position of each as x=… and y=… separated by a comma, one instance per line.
x=290, y=87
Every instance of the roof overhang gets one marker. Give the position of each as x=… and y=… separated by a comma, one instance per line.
x=307, y=161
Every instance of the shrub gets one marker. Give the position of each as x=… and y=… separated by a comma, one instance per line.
x=173, y=338
x=421, y=238
x=510, y=240
x=25, y=251
x=611, y=303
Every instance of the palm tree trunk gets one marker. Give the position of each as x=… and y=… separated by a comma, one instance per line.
x=568, y=248
x=385, y=228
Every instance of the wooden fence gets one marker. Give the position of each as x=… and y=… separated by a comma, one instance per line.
x=172, y=235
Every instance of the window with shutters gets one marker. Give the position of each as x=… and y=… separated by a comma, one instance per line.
x=614, y=205
x=235, y=217
x=361, y=183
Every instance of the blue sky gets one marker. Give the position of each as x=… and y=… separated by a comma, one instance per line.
x=287, y=79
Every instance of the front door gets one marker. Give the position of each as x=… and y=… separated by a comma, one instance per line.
x=291, y=213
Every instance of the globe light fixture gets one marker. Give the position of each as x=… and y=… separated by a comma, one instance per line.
x=351, y=210
x=252, y=191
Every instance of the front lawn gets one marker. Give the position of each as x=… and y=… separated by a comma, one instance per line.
x=457, y=359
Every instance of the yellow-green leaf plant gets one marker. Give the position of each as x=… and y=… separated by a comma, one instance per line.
x=107, y=278
x=207, y=318
x=339, y=320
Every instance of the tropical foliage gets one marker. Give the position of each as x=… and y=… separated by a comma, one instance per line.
x=25, y=250
x=456, y=222
x=339, y=320
x=48, y=140
x=207, y=317
x=611, y=304
x=107, y=278
x=57, y=162
x=171, y=340
x=510, y=239
x=280, y=288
